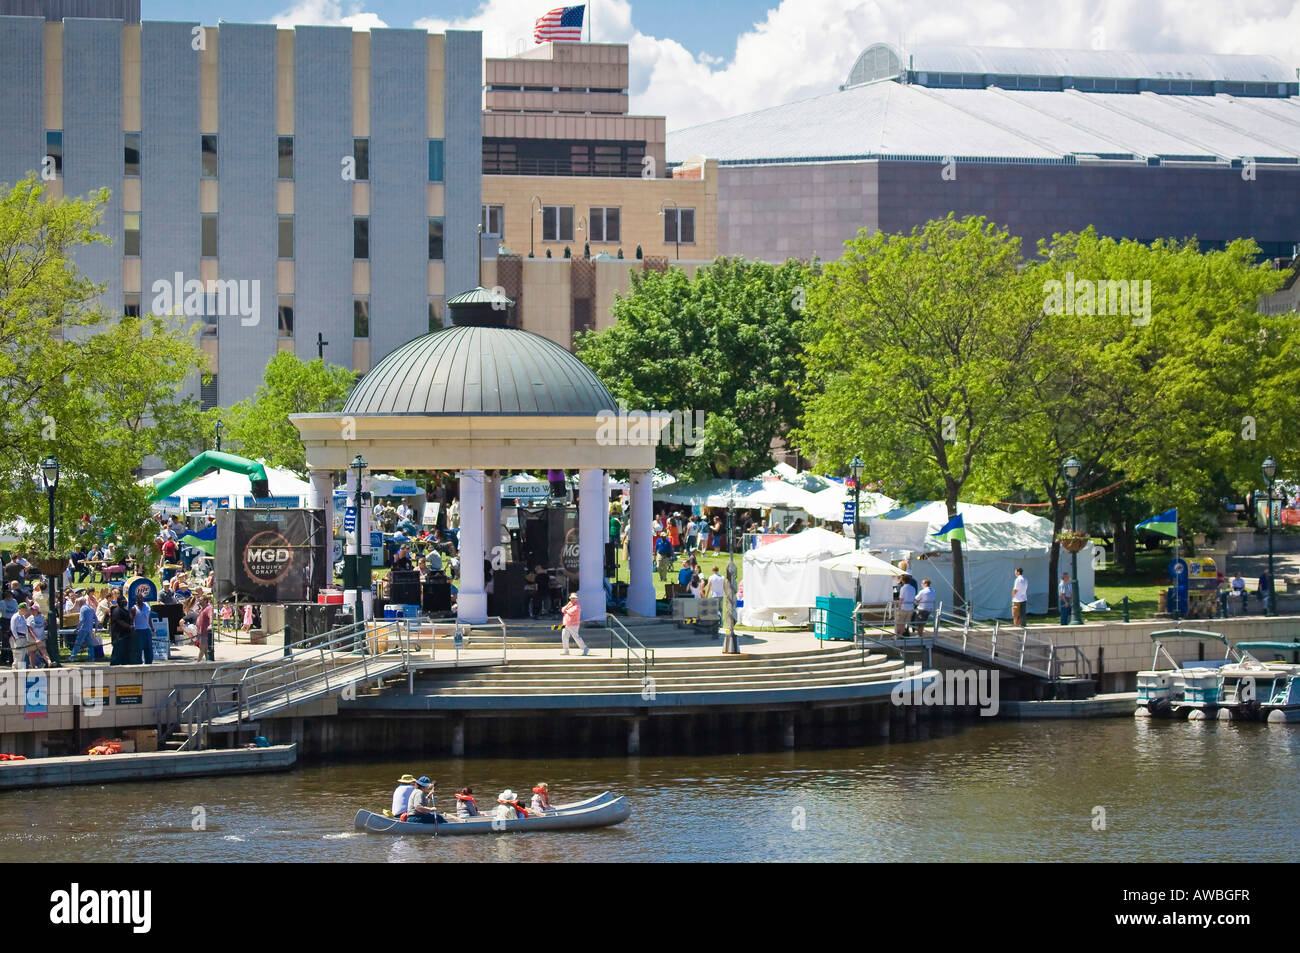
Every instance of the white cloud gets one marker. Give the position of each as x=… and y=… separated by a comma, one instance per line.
x=804, y=48
x=328, y=13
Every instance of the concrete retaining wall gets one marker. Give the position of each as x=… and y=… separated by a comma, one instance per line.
x=56, y=772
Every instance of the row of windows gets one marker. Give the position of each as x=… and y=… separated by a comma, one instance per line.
x=601, y=225
x=284, y=236
x=284, y=314
x=358, y=169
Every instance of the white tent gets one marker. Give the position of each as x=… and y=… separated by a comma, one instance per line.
x=840, y=575
x=782, y=580
x=287, y=489
x=996, y=544
x=745, y=494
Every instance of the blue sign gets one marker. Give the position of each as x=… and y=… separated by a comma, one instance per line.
x=268, y=502
x=376, y=548
x=850, y=511
x=36, y=696
x=350, y=520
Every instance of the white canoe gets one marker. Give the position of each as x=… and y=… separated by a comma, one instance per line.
x=602, y=810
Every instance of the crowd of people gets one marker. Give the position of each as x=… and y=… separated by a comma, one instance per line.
x=413, y=798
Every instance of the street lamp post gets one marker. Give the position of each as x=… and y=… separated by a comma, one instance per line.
x=677, y=227
x=530, y=222
x=856, y=467
x=729, y=646
x=50, y=475
x=218, y=427
x=358, y=464
x=1070, y=469
x=1269, y=469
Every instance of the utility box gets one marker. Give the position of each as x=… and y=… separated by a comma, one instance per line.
x=833, y=619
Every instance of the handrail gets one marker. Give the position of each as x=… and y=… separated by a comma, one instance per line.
x=646, y=655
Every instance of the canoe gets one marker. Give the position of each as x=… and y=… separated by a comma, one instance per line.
x=602, y=810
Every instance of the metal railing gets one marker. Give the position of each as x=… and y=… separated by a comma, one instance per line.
x=632, y=646
x=276, y=679
x=460, y=641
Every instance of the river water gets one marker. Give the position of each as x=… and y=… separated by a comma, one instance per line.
x=994, y=791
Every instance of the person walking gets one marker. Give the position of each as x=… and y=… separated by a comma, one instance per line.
x=1019, y=596
x=203, y=627
x=8, y=609
x=572, y=621
x=1064, y=597
x=85, y=631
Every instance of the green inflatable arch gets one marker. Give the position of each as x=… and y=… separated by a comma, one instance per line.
x=215, y=460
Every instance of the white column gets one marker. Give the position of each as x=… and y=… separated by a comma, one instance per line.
x=321, y=497
x=491, y=511
x=641, y=588
x=592, y=520
x=471, y=601
x=350, y=541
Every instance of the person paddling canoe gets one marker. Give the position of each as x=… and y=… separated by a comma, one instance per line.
x=402, y=794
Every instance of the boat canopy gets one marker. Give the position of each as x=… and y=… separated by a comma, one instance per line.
x=1164, y=635
x=1276, y=646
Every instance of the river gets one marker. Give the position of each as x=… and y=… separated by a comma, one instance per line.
x=984, y=791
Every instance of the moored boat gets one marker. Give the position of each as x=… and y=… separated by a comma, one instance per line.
x=1257, y=690
x=603, y=810
x=1191, y=691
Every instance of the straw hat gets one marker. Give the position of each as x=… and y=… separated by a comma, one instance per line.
x=406, y=779
x=507, y=795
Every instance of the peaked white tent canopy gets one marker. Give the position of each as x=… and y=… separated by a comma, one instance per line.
x=997, y=543
x=782, y=580
x=841, y=575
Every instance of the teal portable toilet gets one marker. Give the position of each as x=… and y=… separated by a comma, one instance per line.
x=833, y=619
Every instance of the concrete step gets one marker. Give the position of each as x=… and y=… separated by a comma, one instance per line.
x=660, y=675
x=696, y=660
x=634, y=689
x=620, y=667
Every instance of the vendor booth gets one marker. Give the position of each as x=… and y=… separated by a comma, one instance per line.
x=782, y=580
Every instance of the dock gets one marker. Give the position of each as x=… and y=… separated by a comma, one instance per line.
x=1114, y=705
x=148, y=766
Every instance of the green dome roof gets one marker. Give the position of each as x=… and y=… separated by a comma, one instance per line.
x=470, y=369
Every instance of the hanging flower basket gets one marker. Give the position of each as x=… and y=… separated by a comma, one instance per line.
x=49, y=565
x=1072, y=541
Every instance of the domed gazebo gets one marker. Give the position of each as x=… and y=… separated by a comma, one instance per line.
x=480, y=397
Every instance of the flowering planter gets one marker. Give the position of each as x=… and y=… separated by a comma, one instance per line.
x=1073, y=544
x=50, y=565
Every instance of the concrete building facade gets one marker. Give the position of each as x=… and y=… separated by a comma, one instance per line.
x=326, y=180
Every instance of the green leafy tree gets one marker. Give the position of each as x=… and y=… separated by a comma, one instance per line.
x=98, y=391
x=260, y=427
x=924, y=351
x=726, y=342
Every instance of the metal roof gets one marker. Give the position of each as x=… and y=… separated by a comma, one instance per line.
x=473, y=370
x=893, y=120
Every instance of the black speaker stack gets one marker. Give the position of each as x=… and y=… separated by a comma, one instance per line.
x=404, y=588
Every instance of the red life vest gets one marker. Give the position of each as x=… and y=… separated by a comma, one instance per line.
x=546, y=798
x=468, y=799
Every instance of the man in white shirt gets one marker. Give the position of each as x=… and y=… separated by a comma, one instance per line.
x=924, y=606
x=906, y=606
x=716, y=583
x=1019, y=596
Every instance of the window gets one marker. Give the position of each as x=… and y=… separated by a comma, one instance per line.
x=285, y=312
x=361, y=238
x=54, y=148
x=131, y=154
x=494, y=220
x=286, y=157
x=131, y=305
x=209, y=224
x=208, y=147
x=361, y=317
x=435, y=160
x=557, y=223
x=679, y=226
x=361, y=153
x=435, y=239
x=286, y=236
x=208, y=392
x=210, y=315
x=604, y=224
x=131, y=234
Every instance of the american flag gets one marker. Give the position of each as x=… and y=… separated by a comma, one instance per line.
x=563, y=24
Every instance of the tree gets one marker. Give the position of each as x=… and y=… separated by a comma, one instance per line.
x=923, y=353
x=260, y=427
x=98, y=391
x=725, y=343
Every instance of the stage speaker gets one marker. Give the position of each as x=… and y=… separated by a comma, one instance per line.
x=611, y=558
x=404, y=588
x=436, y=595
x=510, y=601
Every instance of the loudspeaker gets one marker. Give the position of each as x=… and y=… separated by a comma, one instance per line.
x=509, y=600
x=436, y=596
x=611, y=558
x=404, y=588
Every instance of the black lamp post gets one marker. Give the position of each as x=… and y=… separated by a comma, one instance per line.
x=729, y=643
x=856, y=466
x=50, y=475
x=359, y=464
x=1269, y=469
x=1070, y=470
x=218, y=427
x=320, y=346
